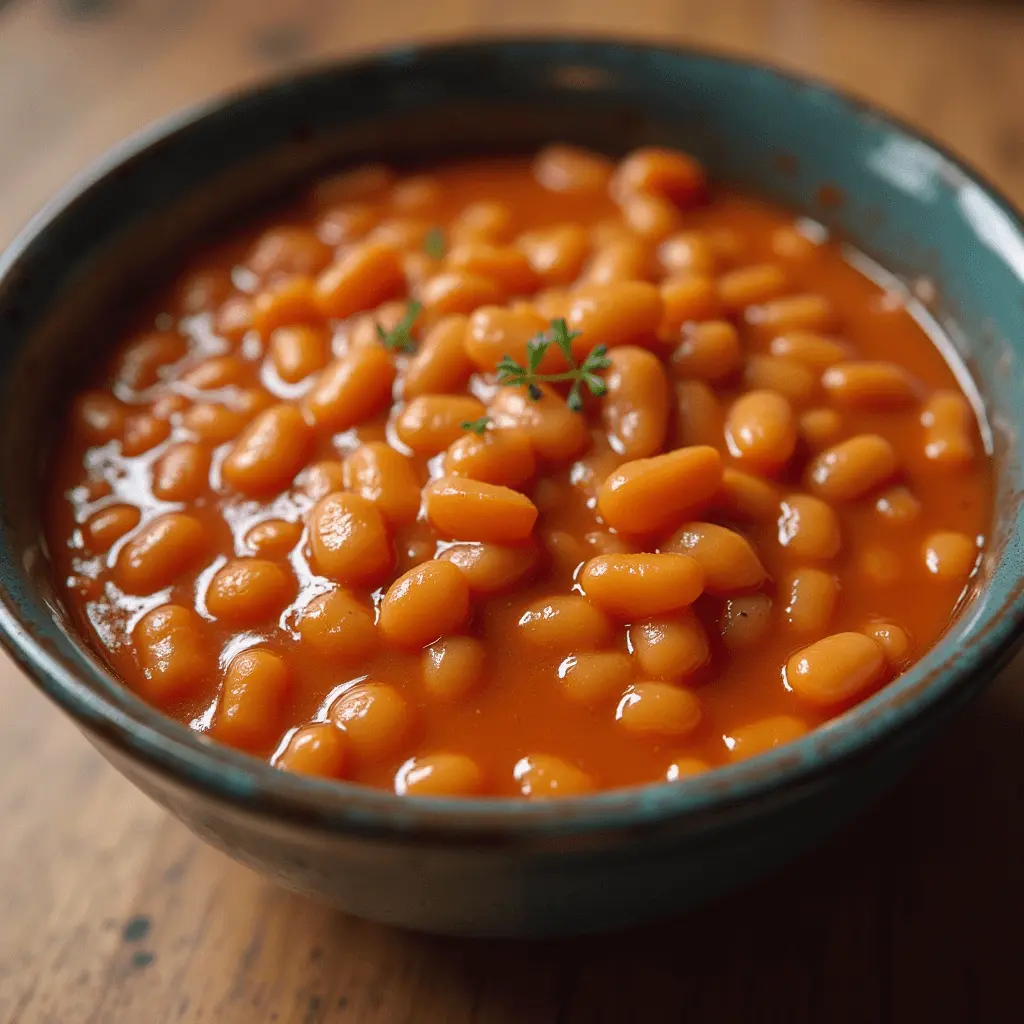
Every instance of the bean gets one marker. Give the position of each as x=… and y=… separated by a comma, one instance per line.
x=638, y=586
x=431, y=423
x=744, y=496
x=213, y=374
x=791, y=243
x=689, y=252
x=473, y=510
x=811, y=597
x=647, y=495
x=348, y=539
x=652, y=709
x=820, y=428
x=708, y=351
x=651, y=217
x=350, y=389
x=291, y=300
x=166, y=548
x=378, y=473
x=248, y=591
x=566, y=622
x=98, y=417
x=252, y=700
x=670, y=647
x=950, y=556
x=369, y=273
x=494, y=332
x=337, y=625
x=403, y=234
x=109, y=525
x=814, y=350
x=288, y=251
x=458, y=291
x=441, y=774
x=139, y=363
x=880, y=565
x=428, y=601
x=492, y=568
x=948, y=427
x=182, y=472
x=214, y=423
x=555, y=431
x=556, y=253
x=636, y=405
x=348, y=222
x=202, y=290
x=748, y=286
x=234, y=318
x=318, y=749
x=788, y=377
x=453, y=667
x=569, y=169
x=760, y=430
x=594, y=676
x=374, y=718
x=546, y=777
x=367, y=181
x=794, y=313
x=746, y=621
x=421, y=193
x=893, y=640
x=897, y=506
x=699, y=417
x=763, y=735
x=852, y=469
x=273, y=538
x=507, y=267
x=566, y=550
x=440, y=365
x=142, y=433
x=619, y=313
x=726, y=557
x=809, y=528
x=835, y=669
x=298, y=351
x=173, y=653
x=870, y=385
x=686, y=768
x=320, y=478
x=657, y=171
x=269, y=452
x=687, y=298
x=503, y=457
x=170, y=406
x=486, y=220
x=624, y=259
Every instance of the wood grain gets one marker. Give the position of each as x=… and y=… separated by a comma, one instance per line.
x=110, y=913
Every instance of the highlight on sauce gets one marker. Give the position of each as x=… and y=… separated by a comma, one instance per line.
x=518, y=477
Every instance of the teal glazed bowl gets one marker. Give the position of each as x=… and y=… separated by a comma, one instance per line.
x=508, y=867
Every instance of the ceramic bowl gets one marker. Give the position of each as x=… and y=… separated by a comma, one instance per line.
x=495, y=867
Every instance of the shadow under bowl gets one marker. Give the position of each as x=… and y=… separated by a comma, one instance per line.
x=491, y=867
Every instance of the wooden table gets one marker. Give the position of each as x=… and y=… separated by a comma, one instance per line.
x=111, y=913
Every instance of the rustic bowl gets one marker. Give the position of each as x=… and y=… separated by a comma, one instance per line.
x=507, y=867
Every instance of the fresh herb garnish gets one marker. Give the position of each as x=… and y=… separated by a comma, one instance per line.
x=433, y=243
x=476, y=426
x=400, y=336
x=587, y=373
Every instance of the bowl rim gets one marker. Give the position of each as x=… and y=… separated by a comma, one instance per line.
x=170, y=749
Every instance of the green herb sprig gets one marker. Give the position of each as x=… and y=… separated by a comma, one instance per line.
x=477, y=426
x=400, y=336
x=585, y=374
x=433, y=243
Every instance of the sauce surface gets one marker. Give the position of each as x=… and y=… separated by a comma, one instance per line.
x=311, y=410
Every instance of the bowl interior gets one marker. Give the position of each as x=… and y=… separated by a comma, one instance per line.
x=896, y=197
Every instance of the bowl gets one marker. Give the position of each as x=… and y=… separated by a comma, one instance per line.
x=509, y=867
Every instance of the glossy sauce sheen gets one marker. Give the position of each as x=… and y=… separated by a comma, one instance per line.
x=774, y=600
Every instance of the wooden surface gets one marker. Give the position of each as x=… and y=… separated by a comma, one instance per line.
x=110, y=913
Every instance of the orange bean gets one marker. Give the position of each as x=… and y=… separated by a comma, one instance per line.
x=182, y=472
x=441, y=774
x=809, y=528
x=431, y=423
x=248, y=591
x=791, y=243
x=638, y=586
x=288, y=251
x=492, y=568
x=689, y=252
x=507, y=267
x=234, y=318
x=760, y=430
x=337, y=625
x=214, y=423
x=561, y=168
x=869, y=385
x=708, y=351
x=486, y=220
x=594, y=676
x=794, y=313
x=555, y=431
x=298, y=351
x=374, y=718
x=820, y=428
x=647, y=495
x=503, y=457
x=367, y=181
x=173, y=653
x=652, y=709
x=350, y=389
x=950, y=556
x=385, y=477
x=269, y=452
x=348, y=539
x=853, y=468
x=202, y=290
x=727, y=559
x=425, y=603
x=317, y=749
x=420, y=193
x=546, y=777
x=494, y=332
x=746, y=621
x=763, y=735
x=699, y=417
x=748, y=286
x=788, y=377
x=565, y=622
x=440, y=365
x=320, y=478
x=815, y=350
x=636, y=404
x=685, y=768
x=252, y=699
x=688, y=298
x=98, y=417
x=656, y=171
x=365, y=276
x=651, y=217
x=893, y=640
x=835, y=669
x=458, y=291
x=142, y=433
x=623, y=259
x=670, y=647
x=556, y=253
x=744, y=496
x=347, y=222
x=139, y=363
x=109, y=525
x=273, y=538
x=469, y=509
x=948, y=423
x=811, y=597
x=619, y=313
x=291, y=300
x=453, y=667
x=213, y=374
x=897, y=506
x=163, y=550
